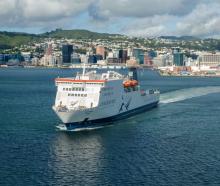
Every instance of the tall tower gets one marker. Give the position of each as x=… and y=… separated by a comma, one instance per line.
x=67, y=51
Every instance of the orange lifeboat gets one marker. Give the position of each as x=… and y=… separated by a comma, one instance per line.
x=127, y=84
x=130, y=83
x=133, y=83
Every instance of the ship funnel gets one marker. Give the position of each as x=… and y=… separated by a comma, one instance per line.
x=133, y=73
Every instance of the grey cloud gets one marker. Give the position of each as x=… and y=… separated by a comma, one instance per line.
x=25, y=13
x=144, y=8
x=94, y=13
x=152, y=26
x=203, y=21
x=139, y=17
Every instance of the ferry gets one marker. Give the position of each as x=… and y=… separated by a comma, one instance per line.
x=92, y=98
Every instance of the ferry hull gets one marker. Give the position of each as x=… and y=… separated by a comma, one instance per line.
x=108, y=120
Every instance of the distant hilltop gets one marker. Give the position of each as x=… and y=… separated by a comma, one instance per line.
x=78, y=34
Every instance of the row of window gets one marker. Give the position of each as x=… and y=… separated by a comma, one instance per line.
x=64, y=83
x=78, y=95
x=74, y=89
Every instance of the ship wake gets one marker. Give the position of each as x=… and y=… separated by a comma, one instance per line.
x=61, y=127
x=184, y=94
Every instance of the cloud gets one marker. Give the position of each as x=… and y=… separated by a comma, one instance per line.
x=30, y=13
x=143, y=8
x=203, y=21
x=151, y=26
x=139, y=17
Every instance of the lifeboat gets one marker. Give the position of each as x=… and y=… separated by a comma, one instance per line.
x=130, y=83
x=133, y=83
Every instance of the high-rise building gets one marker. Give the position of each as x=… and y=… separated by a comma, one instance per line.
x=123, y=56
x=178, y=59
x=138, y=53
x=176, y=50
x=67, y=51
x=100, y=50
x=49, y=49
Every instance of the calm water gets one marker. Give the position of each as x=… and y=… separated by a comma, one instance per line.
x=177, y=143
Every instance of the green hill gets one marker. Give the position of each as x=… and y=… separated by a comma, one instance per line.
x=77, y=34
x=12, y=39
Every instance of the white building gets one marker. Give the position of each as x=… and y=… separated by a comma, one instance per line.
x=209, y=59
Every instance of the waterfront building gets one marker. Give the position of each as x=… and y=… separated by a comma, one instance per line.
x=132, y=62
x=138, y=53
x=163, y=60
x=2, y=59
x=178, y=59
x=26, y=56
x=92, y=59
x=67, y=51
x=147, y=60
x=130, y=52
x=209, y=59
x=100, y=50
x=123, y=56
x=152, y=54
x=75, y=59
x=112, y=60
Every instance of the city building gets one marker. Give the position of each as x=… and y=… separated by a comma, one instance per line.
x=75, y=59
x=147, y=60
x=138, y=53
x=123, y=56
x=209, y=59
x=112, y=60
x=67, y=51
x=152, y=54
x=100, y=50
x=178, y=59
x=26, y=56
x=92, y=59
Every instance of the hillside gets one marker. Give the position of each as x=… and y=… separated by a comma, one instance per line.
x=12, y=39
x=181, y=38
x=77, y=34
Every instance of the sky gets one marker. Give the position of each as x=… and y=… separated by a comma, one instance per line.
x=140, y=18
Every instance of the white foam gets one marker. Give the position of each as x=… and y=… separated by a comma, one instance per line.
x=62, y=128
x=183, y=94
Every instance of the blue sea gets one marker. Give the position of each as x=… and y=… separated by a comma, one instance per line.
x=177, y=143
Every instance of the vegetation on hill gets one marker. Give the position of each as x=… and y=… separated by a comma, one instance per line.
x=9, y=40
x=12, y=39
x=77, y=34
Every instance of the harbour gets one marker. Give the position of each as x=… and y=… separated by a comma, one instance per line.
x=177, y=142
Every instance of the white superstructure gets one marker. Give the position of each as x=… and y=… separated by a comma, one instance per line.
x=92, y=98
